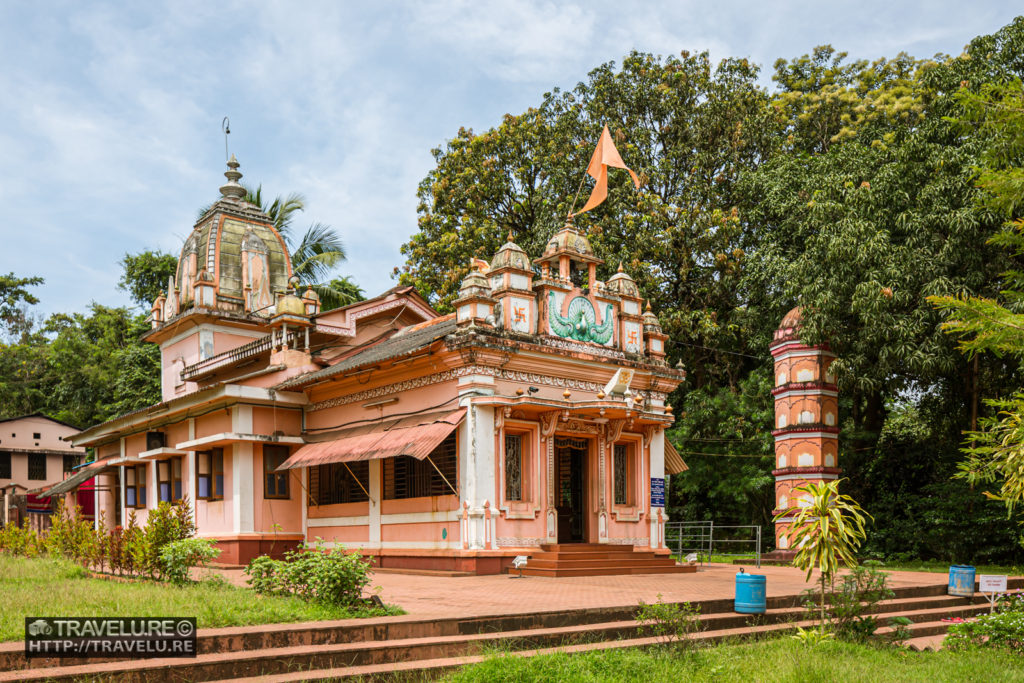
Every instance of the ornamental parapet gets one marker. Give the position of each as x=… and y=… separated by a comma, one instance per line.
x=806, y=427
x=814, y=385
x=818, y=469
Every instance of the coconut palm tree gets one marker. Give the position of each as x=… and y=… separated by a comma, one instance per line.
x=317, y=252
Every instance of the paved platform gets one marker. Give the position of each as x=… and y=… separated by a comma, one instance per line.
x=502, y=594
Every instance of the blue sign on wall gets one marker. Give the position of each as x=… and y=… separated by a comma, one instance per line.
x=657, y=492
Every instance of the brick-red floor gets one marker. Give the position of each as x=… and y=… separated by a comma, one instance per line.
x=500, y=594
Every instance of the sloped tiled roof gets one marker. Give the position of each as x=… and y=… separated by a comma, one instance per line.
x=405, y=341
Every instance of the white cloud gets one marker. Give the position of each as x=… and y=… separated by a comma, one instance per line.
x=110, y=133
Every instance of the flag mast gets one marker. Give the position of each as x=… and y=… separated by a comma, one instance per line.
x=605, y=155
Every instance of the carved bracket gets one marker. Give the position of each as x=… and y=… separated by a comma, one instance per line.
x=614, y=430
x=548, y=424
x=649, y=433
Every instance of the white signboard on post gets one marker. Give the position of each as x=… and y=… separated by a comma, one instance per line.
x=992, y=583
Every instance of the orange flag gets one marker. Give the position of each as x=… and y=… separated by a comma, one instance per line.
x=605, y=155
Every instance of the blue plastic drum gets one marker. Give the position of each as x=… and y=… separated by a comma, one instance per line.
x=750, y=594
x=961, y=580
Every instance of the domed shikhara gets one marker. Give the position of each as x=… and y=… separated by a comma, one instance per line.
x=235, y=249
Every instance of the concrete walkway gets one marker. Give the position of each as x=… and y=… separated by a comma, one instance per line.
x=429, y=596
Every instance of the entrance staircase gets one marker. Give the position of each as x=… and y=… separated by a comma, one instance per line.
x=418, y=648
x=599, y=559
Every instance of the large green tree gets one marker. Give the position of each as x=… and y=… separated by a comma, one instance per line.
x=688, y=127
x=144, y=275
x=990, y=325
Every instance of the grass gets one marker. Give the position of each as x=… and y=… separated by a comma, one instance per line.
x=43, y=587
x=773, y=660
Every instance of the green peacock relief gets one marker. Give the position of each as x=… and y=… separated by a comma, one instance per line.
x=581, y=323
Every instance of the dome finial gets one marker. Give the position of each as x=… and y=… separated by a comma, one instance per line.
x=620, y=267
x=510, y=235
x=232, y=188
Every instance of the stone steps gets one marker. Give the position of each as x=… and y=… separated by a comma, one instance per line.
x=424, y=647
x=599, y=559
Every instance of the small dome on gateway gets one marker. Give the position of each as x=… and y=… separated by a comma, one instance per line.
x=510, y=255
x=569, y=240
x=651, y=322
x=622, y=284
x=474, y=283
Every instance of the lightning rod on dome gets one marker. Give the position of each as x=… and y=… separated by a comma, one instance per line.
x=225, y=126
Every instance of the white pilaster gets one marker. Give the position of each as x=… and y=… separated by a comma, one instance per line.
x=123, y=494
x=480, y=470
x=189, y=477
x=304, y=480
x=376, y=474
x=657, y=463
x=242, y=484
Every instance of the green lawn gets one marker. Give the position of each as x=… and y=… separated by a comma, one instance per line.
x=774, y=660
x=51, y=588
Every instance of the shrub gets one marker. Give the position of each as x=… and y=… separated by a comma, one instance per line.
x=165, y=524
x=19, y=540
x=265, y=575
x=334, y=577
x=671, y=623
x=1003, y=629
x=859, y=591
x=178, y=557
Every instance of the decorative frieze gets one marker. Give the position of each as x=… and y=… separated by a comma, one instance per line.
x=519, y=542
x=630, y=540
x=455, y=373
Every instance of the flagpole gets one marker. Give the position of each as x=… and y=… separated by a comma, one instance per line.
x=576, y=198
x=578, y=190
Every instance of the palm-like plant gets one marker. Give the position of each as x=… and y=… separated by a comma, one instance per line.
x=827, y=528
x=318, y=251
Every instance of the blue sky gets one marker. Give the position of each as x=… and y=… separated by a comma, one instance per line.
x=110, y=112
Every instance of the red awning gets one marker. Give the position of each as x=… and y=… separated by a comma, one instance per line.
x=416, y=437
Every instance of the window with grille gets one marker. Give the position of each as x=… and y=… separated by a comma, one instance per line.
x=210, y=475
x=276, y=482
x=168, y=480
x=70, y=463
x=340, y=482
x=5, y=465
x=135, y=486
x=623, y=494
x=407, y=477
x=513, y=467
x=36, y=466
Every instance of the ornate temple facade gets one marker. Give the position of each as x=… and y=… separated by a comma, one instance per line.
x=533, y=414
x=806, y=426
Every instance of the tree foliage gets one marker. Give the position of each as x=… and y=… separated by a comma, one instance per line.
x=849, y=190
x=144, y=275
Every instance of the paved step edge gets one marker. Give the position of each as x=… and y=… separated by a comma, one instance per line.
x=142, y=667
x=14, y=659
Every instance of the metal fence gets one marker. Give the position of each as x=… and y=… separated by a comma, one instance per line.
x=704, y=539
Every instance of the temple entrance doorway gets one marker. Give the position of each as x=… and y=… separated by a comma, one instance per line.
x=570, y=479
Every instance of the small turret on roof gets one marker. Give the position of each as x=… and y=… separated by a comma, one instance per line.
x=475, y=303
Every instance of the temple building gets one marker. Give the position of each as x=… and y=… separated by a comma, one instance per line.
x=806, y=428
x=534, y=414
